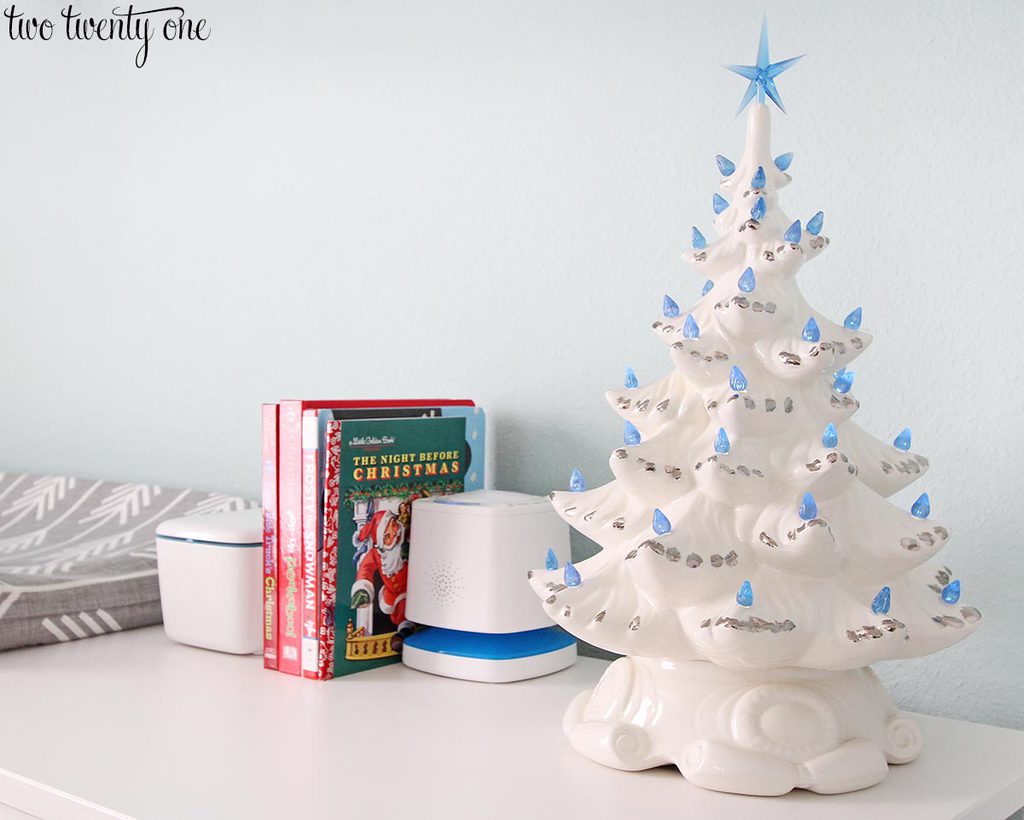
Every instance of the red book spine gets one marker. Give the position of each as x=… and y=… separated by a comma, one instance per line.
x=329, y=561
x=310, y=562
x=268, y=431
x=289, y=562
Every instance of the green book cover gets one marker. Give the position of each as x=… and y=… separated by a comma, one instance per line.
x=385, y=465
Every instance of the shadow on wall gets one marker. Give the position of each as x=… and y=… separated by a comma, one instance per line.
x=517, y=447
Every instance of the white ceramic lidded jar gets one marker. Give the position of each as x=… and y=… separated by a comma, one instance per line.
x=211, y=578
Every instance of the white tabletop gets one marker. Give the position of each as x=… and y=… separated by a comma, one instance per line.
x=134, y=725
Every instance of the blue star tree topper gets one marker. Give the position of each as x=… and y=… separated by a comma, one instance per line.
x=762, y=76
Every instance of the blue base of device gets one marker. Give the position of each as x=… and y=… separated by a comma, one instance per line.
x=490, y=646
x=489, y=658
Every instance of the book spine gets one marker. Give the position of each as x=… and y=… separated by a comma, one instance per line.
x=329, y=560
x=268, y=430
x=310, y=563
x=289, y=562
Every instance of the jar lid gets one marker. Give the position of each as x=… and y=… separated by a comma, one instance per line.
x=239, y=528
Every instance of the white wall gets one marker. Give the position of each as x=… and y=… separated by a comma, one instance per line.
x=489, y=199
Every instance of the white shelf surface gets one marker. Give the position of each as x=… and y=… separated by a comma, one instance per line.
x=134, y=725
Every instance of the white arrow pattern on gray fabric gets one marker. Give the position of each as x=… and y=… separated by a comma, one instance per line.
x=78, y=557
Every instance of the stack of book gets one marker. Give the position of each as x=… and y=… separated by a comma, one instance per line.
x=339, y=479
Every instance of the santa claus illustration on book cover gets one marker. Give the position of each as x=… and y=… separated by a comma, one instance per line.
x=382, y=551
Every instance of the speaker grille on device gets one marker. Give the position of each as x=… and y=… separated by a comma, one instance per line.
x=446, y=584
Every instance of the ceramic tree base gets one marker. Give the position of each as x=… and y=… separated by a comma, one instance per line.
x=761, y=732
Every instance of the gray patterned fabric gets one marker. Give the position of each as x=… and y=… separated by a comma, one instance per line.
x=78, y=557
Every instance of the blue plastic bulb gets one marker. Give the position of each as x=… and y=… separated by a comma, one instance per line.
x=669, y=307
x=843, y=381
x=808, y=507
x=691, y=330
x=699, y=242
x=737, y=381
x=759, y=209
x=722, y=441
x=811, y=332
x=794, y=233
x=719, y=203
x=660, y=522
x=747, y=282
x=830, y=438
x=757, y=181
x=745, y=596
x=631, y=382
x=853, y=319
x=725, y=165
x=921, y=508
x=577, y=483
x=951, y=592
x=707, y=288
x=571, y=575
x=631, y=434
x=902, y=441
x=880, y=606
x=551, y=562
x=815, y=223
x=783, y=161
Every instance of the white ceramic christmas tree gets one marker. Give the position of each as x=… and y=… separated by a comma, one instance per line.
x=751, y=566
